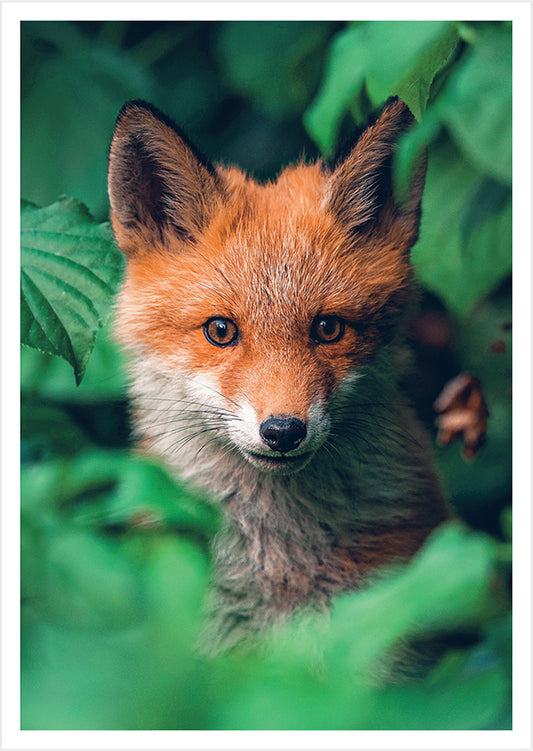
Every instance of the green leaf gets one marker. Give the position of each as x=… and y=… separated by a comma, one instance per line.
x=459, y=269
x=416, y=85
x=102, y=489
x=145, y=495
x=46, y=429
x=70, y=270
x=91, y=522
x=85, y=582
x=477, y=102
x=142, y=673
x=342, y=83
x=69, y=105
x=465, y=702
x=404, y=57
x=489, y=198
x=390, y=58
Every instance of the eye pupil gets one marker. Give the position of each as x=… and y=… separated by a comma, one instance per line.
x=327, y=329
x=220, y=331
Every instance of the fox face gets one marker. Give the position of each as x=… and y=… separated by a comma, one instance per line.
x=255, y=311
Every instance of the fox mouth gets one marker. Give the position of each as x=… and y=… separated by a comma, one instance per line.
x=282, y=463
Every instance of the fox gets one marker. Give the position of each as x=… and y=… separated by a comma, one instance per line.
x=263, y=323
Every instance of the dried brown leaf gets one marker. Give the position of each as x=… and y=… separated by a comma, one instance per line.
x=462, y=413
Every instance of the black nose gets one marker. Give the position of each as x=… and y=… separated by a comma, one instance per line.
x=283, y=433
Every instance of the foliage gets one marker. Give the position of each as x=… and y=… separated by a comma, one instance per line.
x=115, y=553
x=69, y=273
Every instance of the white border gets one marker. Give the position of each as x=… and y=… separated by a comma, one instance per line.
x=214, y=10
x=520, y=14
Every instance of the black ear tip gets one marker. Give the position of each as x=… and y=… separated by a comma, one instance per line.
x=140, y=106
x=141, y=109
x=397, y=104
x=136, y=104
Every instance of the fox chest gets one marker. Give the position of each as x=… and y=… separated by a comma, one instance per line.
x=303, y=564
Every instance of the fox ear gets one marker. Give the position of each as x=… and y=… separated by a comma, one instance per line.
x=360, y=192
x=159, y=185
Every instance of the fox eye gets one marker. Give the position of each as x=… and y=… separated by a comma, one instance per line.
x=221, y=332
x=327, y=329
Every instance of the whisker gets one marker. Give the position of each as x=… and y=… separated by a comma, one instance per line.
x=362, y=423
x=183, y=442
x=180, y=401
x=212, y=388
x=224, y=452
x=185, y=399
x=181, y=429
x=187, y=419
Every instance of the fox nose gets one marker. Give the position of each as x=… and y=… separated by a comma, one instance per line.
x=282, y=433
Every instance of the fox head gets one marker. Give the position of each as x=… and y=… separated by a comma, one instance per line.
x=257, y=305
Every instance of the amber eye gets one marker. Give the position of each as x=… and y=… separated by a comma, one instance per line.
x=221, y=332
x=327, y=329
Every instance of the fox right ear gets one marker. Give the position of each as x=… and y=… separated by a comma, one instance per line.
x=360, y=192
x=159, y=186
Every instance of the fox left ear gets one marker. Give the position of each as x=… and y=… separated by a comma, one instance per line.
x=160, y=186
x=360, y=191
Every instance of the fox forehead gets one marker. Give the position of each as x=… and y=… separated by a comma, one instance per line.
x=274, y=246
x=278, y=223
x=267, y=243
x=272, y=259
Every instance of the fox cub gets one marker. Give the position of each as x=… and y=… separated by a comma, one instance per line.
x=263, y=321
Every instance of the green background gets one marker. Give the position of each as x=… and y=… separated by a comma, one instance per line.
x=115, y=556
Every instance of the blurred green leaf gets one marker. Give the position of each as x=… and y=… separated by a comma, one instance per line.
x=476, y=104
x=507, y=524
x=467, y=268
x=70, y=271
x=146, y=496
x=449, y=601
x=70, y=103
x=465, y=702
x=101, y=488
x=415, y=87
x=84, y=581
x=74, y=572
x=390, y=58
x=423, y=47
x=47, y=429
x=343, y=81
x=137, y=670
x=489, y=198
x=50, y=377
